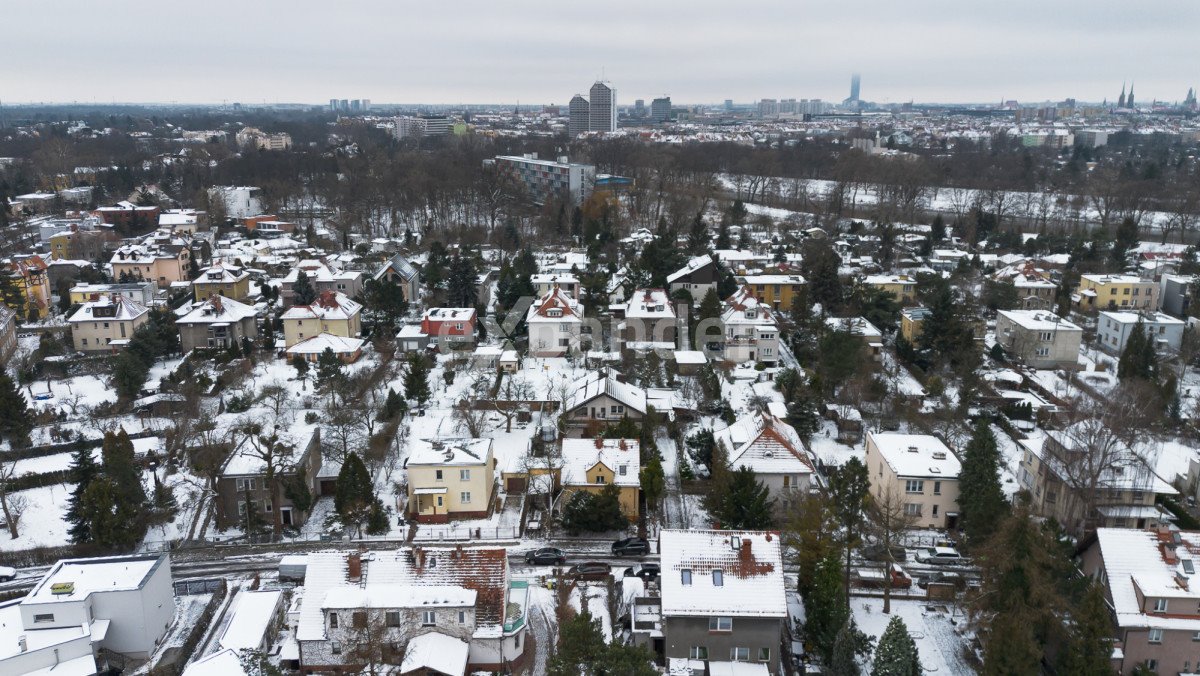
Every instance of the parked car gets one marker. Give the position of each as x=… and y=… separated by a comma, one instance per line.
x=877, y=552
x=646, y=571
x=941, y=577
x=631, y=547
x=941, y=556
x=875, y=578
x=546, y=556
x=7, y=573
x=592, y=570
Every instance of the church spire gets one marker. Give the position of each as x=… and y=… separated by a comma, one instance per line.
x=1121, y=101
x=1129, y=101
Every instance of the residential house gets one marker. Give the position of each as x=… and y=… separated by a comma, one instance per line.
x=8, y=334
x=589, y=465
x=1035, y=289
x=333, y=313
x=919, y=470
x=255, y=617
x=222, y=279
x=770, y=447
x=649, y=321
x=1147, y=576
x=778, y=291
x=107, y=323
x=450, y=478
x=903, y=287
x=1040, y=339
x=1175, y=294
x=217, y=323
x=555, y=324
x=32, y=280
x=1114, y=328
x=164, y=264
x=750, y=331
x=310, y=349
x=1111, y=292
x=723, y=597
x=449, y=327
x=83, y=609
x=912, y=322
x=545, y=283
x=130, y=218
x=145, y=292
x=1085, y=476
x=858, y=327
x=697, y=277
x=603, y=396
x=397, y=270
x=437, y=610
x=243, y=479
x=323, y=278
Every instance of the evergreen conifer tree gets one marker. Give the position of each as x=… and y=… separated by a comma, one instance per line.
x=980, y=497
x=15, y=420
x=83, y=471
x=747, y=504
x=416, y=379
x=897, y=652
x=303, y=292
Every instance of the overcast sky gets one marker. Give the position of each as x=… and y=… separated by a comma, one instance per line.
x=501, y=51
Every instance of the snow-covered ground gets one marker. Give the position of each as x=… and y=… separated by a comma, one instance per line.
x=938, y=630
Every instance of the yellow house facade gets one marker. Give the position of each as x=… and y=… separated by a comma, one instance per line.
x=222, y=280
x=1106, y=292
x=912, y=322
x=903, y=287
x=591, y=465
x=31, y=278
x=776, y=291
x=332, y=313
x=450, y=478
x=164, y=265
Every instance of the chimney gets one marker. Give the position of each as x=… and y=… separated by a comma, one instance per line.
x=599, y=442
x=420, y=558
x=745, y=556
x=354, y=564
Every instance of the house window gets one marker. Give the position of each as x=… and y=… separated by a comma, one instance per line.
x=618, y=409
x=437, y=474
x=1152, y=665
x=698, y=652
x=718, y=578
x=1042, y=352
x=685, y=577
x=937, y=488
x=914, y=486
x=623, y=470
x=333, y=620
x=720, y=624
x=1196, y=636
x=43, y=619
x=465, y=497
x=1160, y=605
x=764, y=654
x=462, y=617
x=912, y=508
x=428, y=618
x=1156, y=635
x=1046, y=336
x=739, y=654
x=464, y=475
x=335, y=647
x=358, y=619
x=600, y=478
x=392, y=618
x=935, y=510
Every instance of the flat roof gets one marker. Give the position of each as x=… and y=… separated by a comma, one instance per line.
x=116, y=573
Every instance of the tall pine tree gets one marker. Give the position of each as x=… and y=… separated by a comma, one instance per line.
x=83, y=471
x=897, y=652
x=746, y=504
x=980, y=496
x=303, y=292
x=15, y=420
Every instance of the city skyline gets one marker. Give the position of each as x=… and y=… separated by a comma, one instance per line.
x=380, y=52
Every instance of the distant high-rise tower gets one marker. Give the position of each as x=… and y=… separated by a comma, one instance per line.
x=855, y=85
x=639, y=108
x=603, y=107
x=579, y=111
x=1121, y=101
x=728, y=105
x=660, y=109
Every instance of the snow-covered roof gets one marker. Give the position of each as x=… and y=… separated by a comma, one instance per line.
x=1156, y=318
x=855, y=325
x=604, y=382
x=481, y=569
x=221, y=273
x=915, y=455
x=765, y=444
x=649, y=304
x=449, y=314
x=247, y=458
x=450, y=452
x=115, y=573
x=252, y=614
x=692, y=266
x=222, y=663
x=742, y=308
x=400, y=596
x=216, y=310
x=780, y=279
x=890, y=280
x=322, y=341
x=690, y=357
x=622, y=456
x=722, y=573
x=109, y=309
x=1115, y=279
x=1038, y=320
x=437, y=653
x=556, y=306
x=329, y=305
x=324, y=571
x=1151, y=563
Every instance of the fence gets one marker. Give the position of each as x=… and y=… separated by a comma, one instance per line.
x=465, y=534
x=191, y=587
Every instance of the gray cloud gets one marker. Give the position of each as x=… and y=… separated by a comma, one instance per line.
x=538, y=52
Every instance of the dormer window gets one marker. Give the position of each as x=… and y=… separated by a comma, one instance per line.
x=554, y=313
x=751, y=314
x=1160, y=605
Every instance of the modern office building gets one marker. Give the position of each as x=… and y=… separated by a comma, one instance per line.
x=544, y=178
x=855, y=86
x=660, y=109
x=768, y=108
x=603, y=107
x=580, y=112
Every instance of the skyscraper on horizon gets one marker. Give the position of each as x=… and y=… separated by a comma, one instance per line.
x=602, y=114
x=855, y=86
x=660, y=109
x=579, y=111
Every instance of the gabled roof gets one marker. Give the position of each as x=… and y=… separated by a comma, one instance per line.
x=581, y=455
x=483, y=570
x=741, y=305
x=692, y=266
x=216, y=310
x=649, y=304
x=400, y=266
x=555, y=299
x=1141, y=561
x=765, y=444
x=450, y=452
x=751, y=575
x=328, y=305
x=318, y=344
x=125, y=310
x=437, y=652
x=605, y=382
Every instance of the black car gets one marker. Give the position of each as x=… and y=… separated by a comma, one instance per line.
x=877, y=552
x=646, y=571
x=631, y=547
x=592, y=570
x=546, y=556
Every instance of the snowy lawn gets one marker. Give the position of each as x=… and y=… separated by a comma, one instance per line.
x=938, y=635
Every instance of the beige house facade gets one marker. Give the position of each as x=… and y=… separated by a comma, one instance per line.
x=918, y=469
